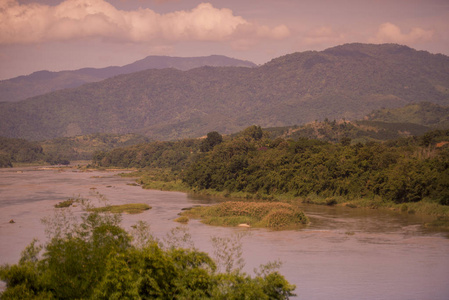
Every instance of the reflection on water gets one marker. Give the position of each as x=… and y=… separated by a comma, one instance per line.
x=344, y=253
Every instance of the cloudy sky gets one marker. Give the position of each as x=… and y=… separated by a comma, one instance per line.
x=71, y=34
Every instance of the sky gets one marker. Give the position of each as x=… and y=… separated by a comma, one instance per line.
x=60, y=35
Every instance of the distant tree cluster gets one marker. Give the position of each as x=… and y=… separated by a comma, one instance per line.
x=19, y=151
x=82, y=147
x=22, y=151
x=174, y=155
x=213, y=138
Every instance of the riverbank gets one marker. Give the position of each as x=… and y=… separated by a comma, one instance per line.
x=164, y=181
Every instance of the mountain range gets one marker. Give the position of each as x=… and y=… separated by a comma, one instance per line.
x=343, y=82
x=42, y=82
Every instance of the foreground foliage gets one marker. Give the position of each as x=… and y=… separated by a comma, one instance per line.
x=98, y=259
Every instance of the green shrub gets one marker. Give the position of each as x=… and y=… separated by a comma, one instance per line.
x=182, y=219
x=331, y=201
x=65, y=203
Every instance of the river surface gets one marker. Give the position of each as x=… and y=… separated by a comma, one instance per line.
x=343, y=254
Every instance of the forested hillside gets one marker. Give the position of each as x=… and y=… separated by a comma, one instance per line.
x=347, y=81
x=370, y=129
x=380, y=125
x=424, y=113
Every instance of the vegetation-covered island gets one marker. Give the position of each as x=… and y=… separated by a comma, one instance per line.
x=273, y=215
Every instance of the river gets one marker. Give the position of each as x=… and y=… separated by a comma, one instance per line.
x=343, y=254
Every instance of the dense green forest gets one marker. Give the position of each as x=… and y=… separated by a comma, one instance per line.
x=97, y=259
x=347, y=81
x=175, y=155
x=403, y=170
x=62, y=150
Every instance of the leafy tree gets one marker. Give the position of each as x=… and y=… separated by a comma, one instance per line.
x=97, y=259
x=345, y=141
x=213, y=138
x=5, y=161
x=253, y=132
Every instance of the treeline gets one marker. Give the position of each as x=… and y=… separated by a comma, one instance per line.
x=175, y=155
x=402, y=170
x=18, y=150
x=405, y=170
x=22, y=151
x=83, y=146
x=62, y=150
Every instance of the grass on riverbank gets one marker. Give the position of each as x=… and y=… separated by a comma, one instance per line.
x=275, y=215
x=131, y=208
x=158, y=179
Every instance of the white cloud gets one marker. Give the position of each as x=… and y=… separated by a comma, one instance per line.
x=391, y=33
x=77, y=19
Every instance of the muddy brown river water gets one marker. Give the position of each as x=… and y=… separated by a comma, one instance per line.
x=343, y=254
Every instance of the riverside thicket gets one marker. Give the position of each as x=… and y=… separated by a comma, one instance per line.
x=399, y=171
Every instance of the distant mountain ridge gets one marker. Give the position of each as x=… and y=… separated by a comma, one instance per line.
x=347, y=81
x=42, y=82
